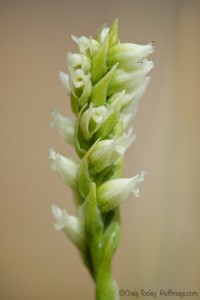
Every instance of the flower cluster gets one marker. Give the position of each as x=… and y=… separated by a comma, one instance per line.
x=105, y=82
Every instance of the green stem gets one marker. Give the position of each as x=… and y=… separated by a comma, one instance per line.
x=106, y=287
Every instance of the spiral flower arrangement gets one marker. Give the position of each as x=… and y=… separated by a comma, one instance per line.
x=105, y=83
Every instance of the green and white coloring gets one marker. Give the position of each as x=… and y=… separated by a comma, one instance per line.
x=105, y=83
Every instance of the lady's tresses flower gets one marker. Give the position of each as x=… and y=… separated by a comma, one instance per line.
x=106, y=80
x=92, y=119
x=106, y=152
x=135, y=94
x=86, y=45
x=80, y=85
x=123, y=80
x=112, y=193
x=79, y=61
x=70, y=225
x=64, y=78
x=66, y=167
x=128, y=54
x=64, y=125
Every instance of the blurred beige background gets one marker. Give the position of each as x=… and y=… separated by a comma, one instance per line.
x=160, y=241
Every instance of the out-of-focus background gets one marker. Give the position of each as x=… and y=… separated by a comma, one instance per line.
x=160, y=241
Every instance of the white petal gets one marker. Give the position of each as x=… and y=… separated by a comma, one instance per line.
x=86, y=44
x=136, y=181
x=128, y=80
x=64, y=78
x=104, y=34
x=70, y=225
x=79, y=61
x=136, y=93
x=126, y=119
x=131, y=102
x=64, y=125
x=64, y=219
x=92, y=119
x=123, y=143
x=67, y=168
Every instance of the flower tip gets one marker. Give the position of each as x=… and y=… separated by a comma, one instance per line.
x=151, y=65
x=142, y=175
x=147, y=80
x=74, y=38
x=54, y=114
x=115, y=23
x=137, y=180
x=64, y=78
x=58, y=215
x=62, y=75
x=103, y=33
x=151, y=47
x=56, y=211
x=52, y=153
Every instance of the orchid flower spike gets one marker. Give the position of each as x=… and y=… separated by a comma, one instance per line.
x=105, y=82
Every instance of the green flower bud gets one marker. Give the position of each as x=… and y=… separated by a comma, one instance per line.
x=107, y=152
x=112, y=193
x=127, y=52
x=100, y=157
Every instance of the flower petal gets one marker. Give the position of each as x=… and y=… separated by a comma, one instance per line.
x=64, y=125
x=66, y=167
x=70, y=225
